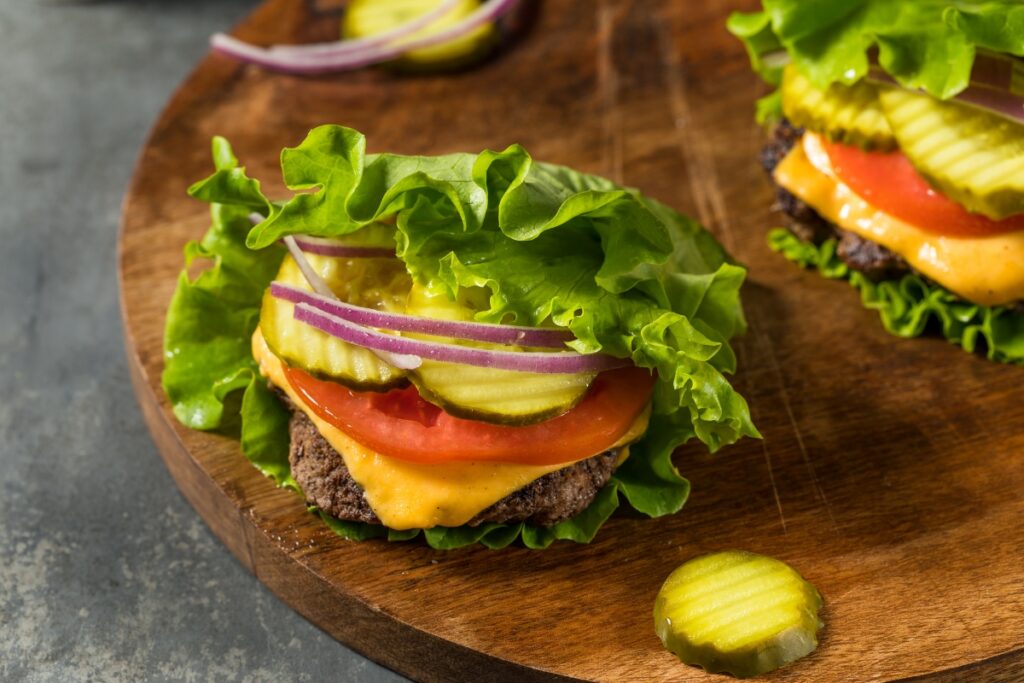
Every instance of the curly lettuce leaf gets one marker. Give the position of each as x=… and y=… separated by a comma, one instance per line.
x=209, y=375
x=907, y=306
x=627, y=275
x=926, y=44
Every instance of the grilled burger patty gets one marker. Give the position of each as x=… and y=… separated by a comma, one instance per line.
x=870, y=258
x=326, y=483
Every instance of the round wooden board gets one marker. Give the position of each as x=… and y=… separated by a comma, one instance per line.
x=890, y=474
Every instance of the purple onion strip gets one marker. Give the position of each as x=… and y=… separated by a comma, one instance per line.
x=999, y=102
x=321, y=247
x=538, y=362
x=456, y=329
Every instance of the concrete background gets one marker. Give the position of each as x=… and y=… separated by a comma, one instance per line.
x=106, y=573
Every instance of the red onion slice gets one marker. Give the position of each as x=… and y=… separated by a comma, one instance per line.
x=1000, y=102
x=566, y=362
x=318, y=59
x=325, y=247
x=986, y=91
x=510, y=335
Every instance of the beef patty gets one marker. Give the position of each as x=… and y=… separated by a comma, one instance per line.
x=870, y=258
x=326, y=483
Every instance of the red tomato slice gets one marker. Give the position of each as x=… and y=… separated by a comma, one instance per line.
x=891, y=183
x=403, y=425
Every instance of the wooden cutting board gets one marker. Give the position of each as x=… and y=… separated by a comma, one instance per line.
x=891, y=473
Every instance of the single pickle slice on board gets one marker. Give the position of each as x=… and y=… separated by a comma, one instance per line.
x=737, y=612
x=974, y=157
x=850, y=114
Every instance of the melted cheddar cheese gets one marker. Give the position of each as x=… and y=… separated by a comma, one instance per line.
x=407, y=495
x=985, y=270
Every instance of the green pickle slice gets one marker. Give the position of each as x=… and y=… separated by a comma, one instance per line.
x=737, y=612
x=850, y=114
x=364, y=18
x=499, y=396
x=379, y=282
x=972, y=156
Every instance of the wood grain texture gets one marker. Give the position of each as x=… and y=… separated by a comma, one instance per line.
x=891, y=472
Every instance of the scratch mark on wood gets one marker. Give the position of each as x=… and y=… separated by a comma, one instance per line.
x=695, y=148
x=775, y=489
x=787, y=405
x=608, y=85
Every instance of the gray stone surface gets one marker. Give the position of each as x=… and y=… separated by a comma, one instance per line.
x=106, y=573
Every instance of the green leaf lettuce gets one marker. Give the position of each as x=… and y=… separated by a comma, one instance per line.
x=627, y=275
x=924, y=44
x=908, y=305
